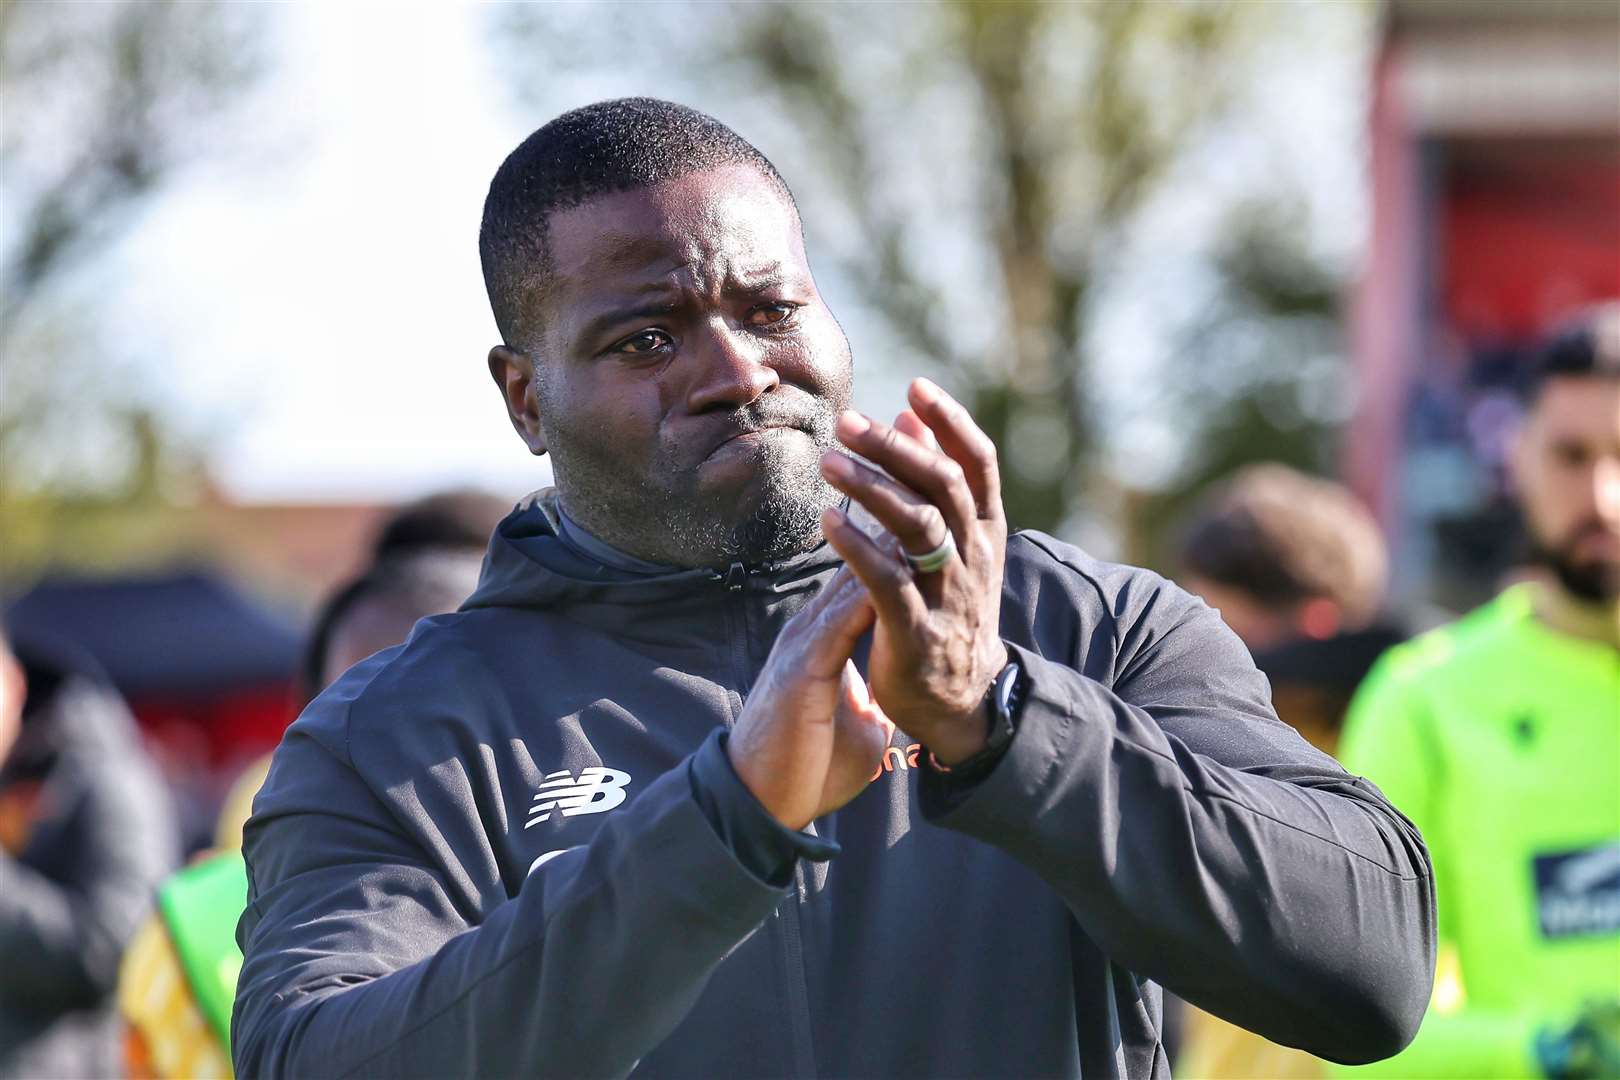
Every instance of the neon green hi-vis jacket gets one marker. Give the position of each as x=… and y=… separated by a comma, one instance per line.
x=1500, y=739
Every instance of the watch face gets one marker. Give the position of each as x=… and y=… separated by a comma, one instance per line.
x=1006, y=684
x=1004, y=704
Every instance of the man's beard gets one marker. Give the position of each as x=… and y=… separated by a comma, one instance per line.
x=663, y=516
x=783, y=518
x=1593, y=581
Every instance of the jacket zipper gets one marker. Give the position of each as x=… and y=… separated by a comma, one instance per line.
x=804, y=1051
x=737, y=626
x=787, y=915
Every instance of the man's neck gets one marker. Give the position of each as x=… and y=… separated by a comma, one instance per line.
x=594, y=547
x=1598, y=622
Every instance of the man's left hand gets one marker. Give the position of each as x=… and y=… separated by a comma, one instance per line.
x=937, y=646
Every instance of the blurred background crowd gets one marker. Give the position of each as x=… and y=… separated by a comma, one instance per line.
x=1246, y=292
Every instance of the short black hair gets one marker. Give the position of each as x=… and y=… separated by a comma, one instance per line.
x=1588, y=346
x=424, y=560
x=416, y=584
x=459, y=519
x=597, y=150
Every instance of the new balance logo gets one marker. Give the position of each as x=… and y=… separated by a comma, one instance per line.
x=596, y=790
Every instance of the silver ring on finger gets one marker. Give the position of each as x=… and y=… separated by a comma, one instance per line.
x=930, y=562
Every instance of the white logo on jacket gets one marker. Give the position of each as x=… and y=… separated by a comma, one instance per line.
x=596, y=790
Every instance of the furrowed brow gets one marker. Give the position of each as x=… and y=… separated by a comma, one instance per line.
x=765, y=277
x=605, y=320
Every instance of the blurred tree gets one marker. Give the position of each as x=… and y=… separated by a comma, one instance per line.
x=1261, y=372
x=987, y=158
x=105, y=105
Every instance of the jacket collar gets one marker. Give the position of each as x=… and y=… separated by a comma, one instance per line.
x=529, y=564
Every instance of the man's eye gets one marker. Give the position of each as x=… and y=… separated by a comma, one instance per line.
x=645, y=342
x=1569, y=454
x=1572, y=459
x=771, y=314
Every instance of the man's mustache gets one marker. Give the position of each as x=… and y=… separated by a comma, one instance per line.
x=1589, y=529
x=817, y=423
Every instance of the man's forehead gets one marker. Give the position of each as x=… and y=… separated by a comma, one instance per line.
x=734, y=215
x=1579, y=405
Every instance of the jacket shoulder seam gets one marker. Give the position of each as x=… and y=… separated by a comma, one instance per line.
x=1116, y=628
x=1037, y=541
x=1390, y=870
x=1198, y=791
x=371, y=686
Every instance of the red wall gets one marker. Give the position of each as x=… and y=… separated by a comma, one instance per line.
x=1527, y=233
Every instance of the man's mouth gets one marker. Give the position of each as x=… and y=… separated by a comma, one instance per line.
x=752, y=436
x=1597, y=545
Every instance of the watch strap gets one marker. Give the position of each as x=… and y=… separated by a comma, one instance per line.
x=1001, y=707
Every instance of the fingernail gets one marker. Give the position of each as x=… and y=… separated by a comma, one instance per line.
x=927, y=389
x=836, y=465
x=851, y=422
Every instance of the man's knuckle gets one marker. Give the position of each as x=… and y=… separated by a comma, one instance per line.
x=896, y=576
x=918, y=520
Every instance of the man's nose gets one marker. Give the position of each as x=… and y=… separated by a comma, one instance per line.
x=728, y=370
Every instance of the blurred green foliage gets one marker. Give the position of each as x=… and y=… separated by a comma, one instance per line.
x=1082, y=107
x=981, y=166
x=105, y=105
x=1263, y=372
x=975, y=171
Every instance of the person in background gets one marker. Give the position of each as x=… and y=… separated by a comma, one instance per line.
x=1500, y=737
x=179, y=975
x=86, y=831
x=445, y=523
x=461, y=519
x=1297, y=567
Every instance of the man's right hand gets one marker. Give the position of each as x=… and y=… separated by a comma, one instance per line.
x=810, y=736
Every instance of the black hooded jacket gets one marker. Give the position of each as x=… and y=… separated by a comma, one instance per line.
x=513, y=846
x=102, y=836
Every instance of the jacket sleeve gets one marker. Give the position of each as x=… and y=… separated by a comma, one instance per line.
x=63, y=935
x=1203, y=844
x=360, y=961
x=1387, y=738
x=1458, y=1042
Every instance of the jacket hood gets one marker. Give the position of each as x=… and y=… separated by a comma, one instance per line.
x=528, y=565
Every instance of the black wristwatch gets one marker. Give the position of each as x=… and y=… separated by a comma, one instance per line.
x=1001, y=706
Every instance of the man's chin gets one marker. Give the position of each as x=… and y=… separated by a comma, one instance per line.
x=771, y=514
x=748, y=471
x=1590, y=582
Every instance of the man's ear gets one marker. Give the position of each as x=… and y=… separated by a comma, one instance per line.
x=1319, y=618
x=513, y=372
